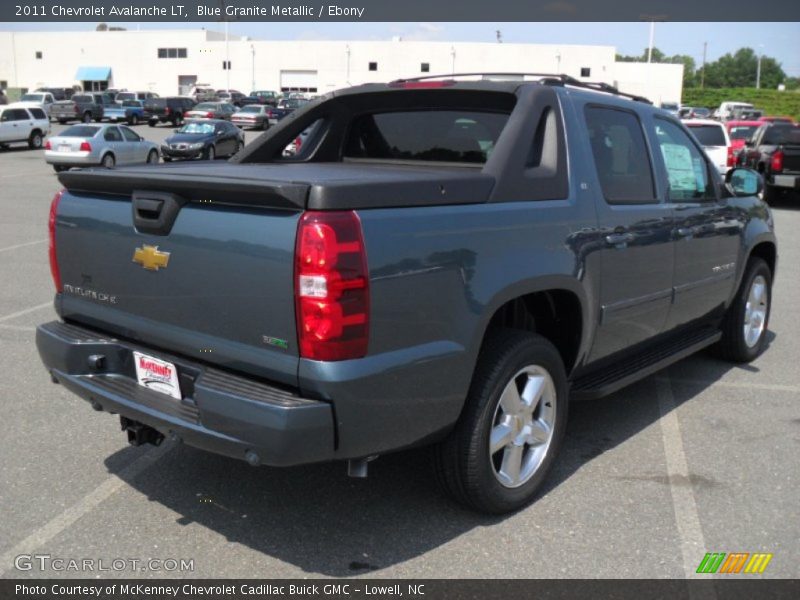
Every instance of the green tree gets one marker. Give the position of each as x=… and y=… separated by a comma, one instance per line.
x=689, y=67
x=739, y=70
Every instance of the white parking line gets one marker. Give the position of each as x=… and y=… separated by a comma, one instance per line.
x=25, y=312
x=92, y=500
x=22, y=245
x=690, y=532
x=772, y=387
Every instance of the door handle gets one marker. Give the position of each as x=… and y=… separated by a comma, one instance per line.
x=619, y=239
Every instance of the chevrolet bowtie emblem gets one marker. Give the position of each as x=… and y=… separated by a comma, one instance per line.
x=151, y=258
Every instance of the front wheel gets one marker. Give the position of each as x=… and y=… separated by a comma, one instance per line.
x=210, y=153
x=511, y=427
x=152, y=157
x=744, y=328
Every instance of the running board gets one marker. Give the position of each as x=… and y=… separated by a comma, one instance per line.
x=609, y=380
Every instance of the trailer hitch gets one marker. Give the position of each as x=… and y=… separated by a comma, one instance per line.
x=139, y=433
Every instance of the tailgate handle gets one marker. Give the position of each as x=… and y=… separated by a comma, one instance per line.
x=155, y=212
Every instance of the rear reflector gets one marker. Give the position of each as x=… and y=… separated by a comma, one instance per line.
x=776, y=164
x=331, y=286
x=51, y=226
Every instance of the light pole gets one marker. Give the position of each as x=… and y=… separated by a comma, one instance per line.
x=227, y=60
x=758, y=67
x=253, y=65
x=453, y=57
x=347, y=51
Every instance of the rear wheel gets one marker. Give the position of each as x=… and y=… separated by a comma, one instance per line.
x=62, y=121
x=35, y=140
x=152, y=123
x=744, y=329
x=108, y=161
x=511, y=427
x=152, y=157
x=134, y=120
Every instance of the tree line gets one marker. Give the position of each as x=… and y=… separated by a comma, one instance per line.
x=731, y=70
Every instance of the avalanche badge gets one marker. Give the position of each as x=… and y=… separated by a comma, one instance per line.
x=151, y=258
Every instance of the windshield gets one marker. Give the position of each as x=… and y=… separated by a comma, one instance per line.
x=776, y=136
x=32, y=98
x=205, y=106
x=126, y=96
x=198, y=128
x=80, y=131
x=709, y=135
x=131, y=103
x=251, y=109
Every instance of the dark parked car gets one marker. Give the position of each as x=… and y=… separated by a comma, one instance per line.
x=211, y=110
x=774, y=150
x=445, y=262
x=230, y=96
x=59, y=93
x=120, y=97
x=167, y=110
x=266, y=97
x=206, y=139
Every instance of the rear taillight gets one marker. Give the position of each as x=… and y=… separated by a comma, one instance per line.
x=51, y=226
x=85, y=147
x=47, y=145
x=331, y=286
x=167, y=111
x=297, y=143
x=209, y=115
x=270, y=114
x=731, y=158
x=776, y=164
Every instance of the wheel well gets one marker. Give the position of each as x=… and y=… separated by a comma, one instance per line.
x=765, y=251
x=553, y=314
x=35, y=130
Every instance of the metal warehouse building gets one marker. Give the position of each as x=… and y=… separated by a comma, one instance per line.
x=171, y=62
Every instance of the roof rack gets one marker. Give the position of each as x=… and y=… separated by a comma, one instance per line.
x=545, y=78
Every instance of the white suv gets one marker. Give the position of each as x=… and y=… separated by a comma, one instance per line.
x=23, y=124
x=714, y=138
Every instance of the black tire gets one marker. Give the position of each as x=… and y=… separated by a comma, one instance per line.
x=108, y=161
x=62, y=121
x=152, y=157
x=734, y=345
x=167, y=159
x=152, y=123
x=35, y=140
x=134, y=120
x=210, y=153
x=464, y=463
x=59, y=168
x=87, y=117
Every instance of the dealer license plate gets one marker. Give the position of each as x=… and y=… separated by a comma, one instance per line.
x=157, y=374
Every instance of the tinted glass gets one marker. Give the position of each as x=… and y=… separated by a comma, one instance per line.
x=206, y=106
x=620, y=155
x=81, y=131
x=742, y=132
x=20, y=114
x=687, y=170
x=197, y=127
x=38, y=113
x=251, y=109
x=130, y=135
x=82, y=98
x=112, y=135
x=427, y=135
x=708, y=135
x=776, y=136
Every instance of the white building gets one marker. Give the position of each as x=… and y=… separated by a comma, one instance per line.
x=170, y=62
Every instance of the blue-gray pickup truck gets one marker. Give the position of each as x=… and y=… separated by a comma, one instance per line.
x=444, y=262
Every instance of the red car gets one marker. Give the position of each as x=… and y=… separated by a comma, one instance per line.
x=740, y=132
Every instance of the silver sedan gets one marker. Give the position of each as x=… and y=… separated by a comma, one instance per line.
x=106, y=145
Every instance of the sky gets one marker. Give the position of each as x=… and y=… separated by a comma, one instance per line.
x=778, y=40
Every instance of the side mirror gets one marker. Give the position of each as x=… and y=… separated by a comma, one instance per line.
x=744, y=182
x=748, y=143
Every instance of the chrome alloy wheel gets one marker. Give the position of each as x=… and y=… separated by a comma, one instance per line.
x=522, y=427
x=755, y=312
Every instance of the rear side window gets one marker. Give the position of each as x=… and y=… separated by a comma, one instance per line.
x=620, y=155
x=112, y=135
x=434, y=136
x=708, y=135
x=37, y=113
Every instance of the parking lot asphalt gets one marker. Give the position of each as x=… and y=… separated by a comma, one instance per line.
x=699, y=458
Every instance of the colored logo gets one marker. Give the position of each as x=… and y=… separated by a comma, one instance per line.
x=735, y=562
x=151, y=258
